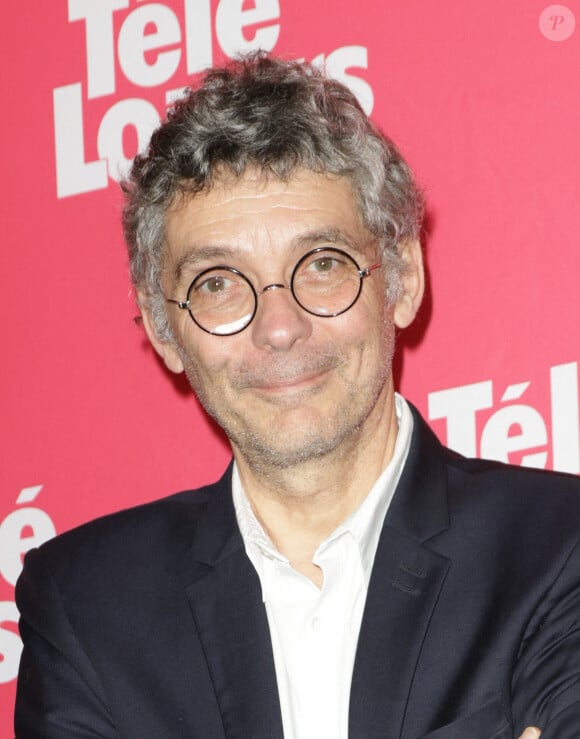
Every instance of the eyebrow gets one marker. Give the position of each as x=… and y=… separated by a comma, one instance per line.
x=330, y=235
x=223, y=253
x=202, y=254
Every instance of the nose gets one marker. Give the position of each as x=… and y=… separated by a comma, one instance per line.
x=279, y=321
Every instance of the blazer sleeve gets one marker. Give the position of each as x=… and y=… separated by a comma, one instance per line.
x=59, y=693
x=546, y=679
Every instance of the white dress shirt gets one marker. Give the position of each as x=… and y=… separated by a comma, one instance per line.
x=315, y=631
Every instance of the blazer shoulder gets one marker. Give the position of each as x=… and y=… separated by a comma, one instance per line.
x=427, y=448
x=161, y=527
x=513, y=478
x=542, y=506
x=439, y=488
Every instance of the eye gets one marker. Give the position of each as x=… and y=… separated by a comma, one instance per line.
x=215, y=284
x=219, y=287
x=324, y=264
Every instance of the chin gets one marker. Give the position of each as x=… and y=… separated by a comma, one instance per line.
x=281, y=449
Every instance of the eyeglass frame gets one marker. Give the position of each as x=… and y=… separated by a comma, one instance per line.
x=362, y=273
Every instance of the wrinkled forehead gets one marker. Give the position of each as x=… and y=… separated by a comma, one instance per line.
x=256, y=211
x=224, y=178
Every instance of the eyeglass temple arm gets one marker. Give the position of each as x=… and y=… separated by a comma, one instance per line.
x=183, y=304
x=366, y=272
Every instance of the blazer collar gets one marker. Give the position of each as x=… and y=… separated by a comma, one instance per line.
x=404, y=589
x=218, y=536
x=225, y=598
x=419, y=508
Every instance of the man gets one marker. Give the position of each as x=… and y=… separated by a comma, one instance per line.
x=348, y=576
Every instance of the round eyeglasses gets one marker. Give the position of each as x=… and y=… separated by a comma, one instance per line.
x=325, y=282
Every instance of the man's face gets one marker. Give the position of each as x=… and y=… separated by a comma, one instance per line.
x=291, y=386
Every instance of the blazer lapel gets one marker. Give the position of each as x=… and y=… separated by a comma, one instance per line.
x=403, y=591
x=226, y=603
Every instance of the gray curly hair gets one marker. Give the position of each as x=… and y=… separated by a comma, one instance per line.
x=276, y=116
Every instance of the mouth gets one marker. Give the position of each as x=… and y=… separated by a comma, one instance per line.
x=286, y=377
x=295, y=383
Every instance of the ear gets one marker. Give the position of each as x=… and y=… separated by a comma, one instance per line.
x=166, y=349
x=413, y=283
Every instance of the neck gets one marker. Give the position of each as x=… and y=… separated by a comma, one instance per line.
x=300, y=506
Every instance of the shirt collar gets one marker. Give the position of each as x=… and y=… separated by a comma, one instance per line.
x=364, y=524
x=253, y=534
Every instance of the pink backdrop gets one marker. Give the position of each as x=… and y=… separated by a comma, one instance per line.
x=483, y=100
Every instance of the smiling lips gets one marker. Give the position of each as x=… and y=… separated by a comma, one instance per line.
x=281, y=374
x=280, y=384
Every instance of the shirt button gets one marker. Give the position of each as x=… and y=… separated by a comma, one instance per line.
x=315, y=624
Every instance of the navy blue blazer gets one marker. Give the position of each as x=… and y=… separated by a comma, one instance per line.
x=149, y=623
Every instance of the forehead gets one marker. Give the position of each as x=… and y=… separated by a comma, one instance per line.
x=260, y=216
